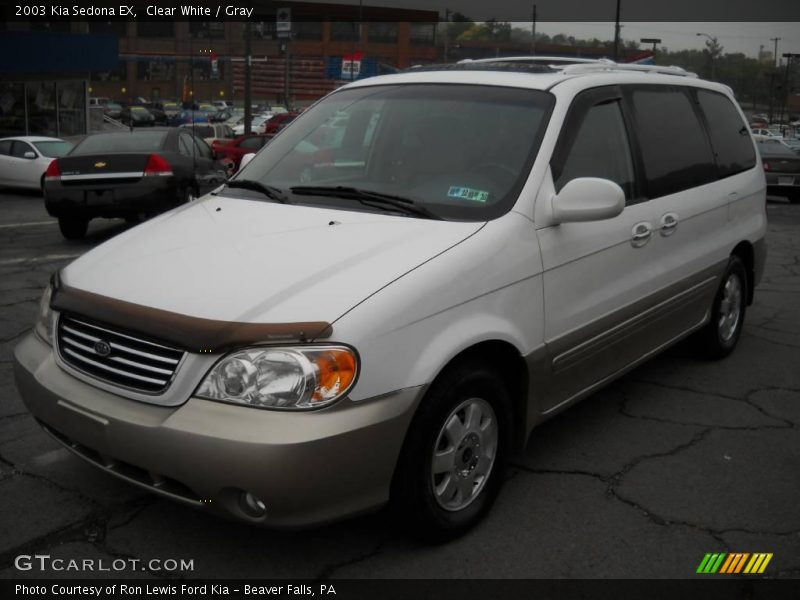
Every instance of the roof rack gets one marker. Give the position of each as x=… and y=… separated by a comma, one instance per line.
x=608, y=65
x=494, y=65
x=575, y=66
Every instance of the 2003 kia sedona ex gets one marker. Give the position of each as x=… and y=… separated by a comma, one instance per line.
x=386, y=300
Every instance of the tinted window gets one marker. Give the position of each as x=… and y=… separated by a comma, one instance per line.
x=18, y=149
x=53, y=149
x=730, y=139
x=600, y=149
x=202, y=148
x=135, y=141
x=251, y=143
x=675, y=150
x=5, y=147
x=185, y=145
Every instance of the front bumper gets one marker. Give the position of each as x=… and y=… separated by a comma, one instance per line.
x=307, y=467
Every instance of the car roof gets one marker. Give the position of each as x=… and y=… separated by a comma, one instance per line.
x=531, y=74
x=32, y=138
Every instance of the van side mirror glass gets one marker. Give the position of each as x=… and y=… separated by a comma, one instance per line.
x=588, y=199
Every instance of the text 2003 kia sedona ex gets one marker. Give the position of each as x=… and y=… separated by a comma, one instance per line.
x=383, y=304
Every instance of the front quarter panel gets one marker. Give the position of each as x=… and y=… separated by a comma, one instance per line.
x=488, y=287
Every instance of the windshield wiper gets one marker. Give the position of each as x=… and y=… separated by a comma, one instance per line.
x=367, y=198
x=270, y=191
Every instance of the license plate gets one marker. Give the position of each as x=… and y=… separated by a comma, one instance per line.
x=785, y=180
x=99, y=197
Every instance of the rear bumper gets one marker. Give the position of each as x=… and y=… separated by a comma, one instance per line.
x=308, y=468
x=110, y=199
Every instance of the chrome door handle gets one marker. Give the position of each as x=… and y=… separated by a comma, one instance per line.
x=669, y=223
x=640, y=234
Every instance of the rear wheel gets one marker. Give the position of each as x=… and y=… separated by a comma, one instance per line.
x=454, y=457
x=73, y=228
x=719, y=337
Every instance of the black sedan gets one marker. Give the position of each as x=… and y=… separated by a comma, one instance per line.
x=137, y=116
x=128, y=174
x=781, y=168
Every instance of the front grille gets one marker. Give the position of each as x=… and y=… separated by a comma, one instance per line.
x=115, y=357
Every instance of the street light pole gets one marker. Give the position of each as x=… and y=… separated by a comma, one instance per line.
x=775, y=52
x=533, y=32
x=713, y=40
x=616, y=33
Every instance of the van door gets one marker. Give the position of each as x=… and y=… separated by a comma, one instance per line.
x=690, y=202
x=598, y=276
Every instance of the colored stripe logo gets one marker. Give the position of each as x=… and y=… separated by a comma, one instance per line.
x=733, y=563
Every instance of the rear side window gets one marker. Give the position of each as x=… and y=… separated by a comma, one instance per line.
x=5, y=147
x=600, y=149
x=675, y=150
x=729, y=135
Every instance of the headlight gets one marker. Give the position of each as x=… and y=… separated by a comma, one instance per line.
x=282, y=378
x=44, y=321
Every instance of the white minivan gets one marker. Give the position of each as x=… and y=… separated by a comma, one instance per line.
x=384, y=303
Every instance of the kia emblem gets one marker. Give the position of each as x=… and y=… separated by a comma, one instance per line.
x=102, y=348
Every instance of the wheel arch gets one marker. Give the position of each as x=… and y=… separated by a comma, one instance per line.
x=745, y=252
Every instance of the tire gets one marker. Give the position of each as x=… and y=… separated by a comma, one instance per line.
x=440, y=499
x=719, y=337
x=73, y=228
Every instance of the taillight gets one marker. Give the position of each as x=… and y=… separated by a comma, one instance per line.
x=767, y=167
x=53, y=171
x=157, y=166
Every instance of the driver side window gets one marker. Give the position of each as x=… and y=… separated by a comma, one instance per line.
x=599, y=149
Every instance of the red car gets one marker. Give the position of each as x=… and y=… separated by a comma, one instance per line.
x=236, y=148
x=276, y=123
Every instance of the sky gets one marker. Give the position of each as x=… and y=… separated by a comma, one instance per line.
x=734, y=37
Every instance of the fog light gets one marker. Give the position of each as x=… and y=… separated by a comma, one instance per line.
x=252, y=505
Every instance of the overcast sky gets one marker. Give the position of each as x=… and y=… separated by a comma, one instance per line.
x=734, y=37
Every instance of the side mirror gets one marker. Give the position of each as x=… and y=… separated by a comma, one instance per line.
x=246, y=160
x=29, y=154
x=588, y=199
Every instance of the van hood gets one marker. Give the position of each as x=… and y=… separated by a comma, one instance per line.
x=249, y=261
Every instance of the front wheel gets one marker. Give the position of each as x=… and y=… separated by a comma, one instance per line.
x=455, y=454
x=73, y=228
x=719, y=337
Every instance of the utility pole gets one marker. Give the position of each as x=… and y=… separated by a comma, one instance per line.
x=775, y=53
x=786, y=91
x=446, y=34
x=248, y=90
x=533, y=32
x=616, y=33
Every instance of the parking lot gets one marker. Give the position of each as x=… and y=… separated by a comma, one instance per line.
x=679, y=458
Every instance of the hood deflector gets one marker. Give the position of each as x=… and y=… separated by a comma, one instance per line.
x=192, y=334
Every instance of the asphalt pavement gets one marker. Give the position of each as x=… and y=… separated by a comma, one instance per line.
x=679, y=458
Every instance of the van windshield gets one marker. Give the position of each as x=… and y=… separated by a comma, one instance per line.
x=462, y=152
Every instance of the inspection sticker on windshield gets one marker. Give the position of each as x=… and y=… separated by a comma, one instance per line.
x=466, y=193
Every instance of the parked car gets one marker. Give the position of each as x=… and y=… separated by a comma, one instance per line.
x=155, y=109
x=278, y=122
x=222, y=115
x=137, y=116
x=128, y=174
x=793, y=143
x=24, y=160
x=189, y=116
x=764, y=132
x=98, y=101
x=257, y=125
x=480, y=250
x=112, y=110
x=221, y=104
x=782, y=169
x=239, y=146
x=212, y=133
x=171, y=109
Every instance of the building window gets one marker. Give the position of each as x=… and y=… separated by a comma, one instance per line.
x=12, y=109
x=343, y=31
x=71, y=108
x=155, y=70
x=382, y=33
x=41, y=98
x=307, y=30
x=120, y=73
x=202, y=69
x=423, y=34
x=207, y=29
x=155, y=29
